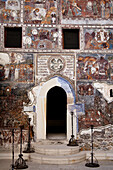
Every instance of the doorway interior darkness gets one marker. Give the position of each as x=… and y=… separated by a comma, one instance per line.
x=56, y=110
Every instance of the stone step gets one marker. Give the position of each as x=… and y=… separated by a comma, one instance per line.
x=56, y=149
x=66, y=159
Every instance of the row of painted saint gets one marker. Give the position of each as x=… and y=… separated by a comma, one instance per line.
x=45, y=12
x=19, y=73
x=87, y=8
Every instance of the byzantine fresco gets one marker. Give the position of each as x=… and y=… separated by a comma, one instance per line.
x=12, y=98
x=16, y=67
x=10, y=11
x=97, y=110
x=87, y=9
x=95, y=66
x=41, y=38
x=40, y=11
x=98, y=39
x=6, y=136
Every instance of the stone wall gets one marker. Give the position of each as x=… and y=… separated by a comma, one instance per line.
x=102, y=136
x=6, y=138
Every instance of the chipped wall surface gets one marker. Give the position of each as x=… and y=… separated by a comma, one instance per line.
x=89, y=69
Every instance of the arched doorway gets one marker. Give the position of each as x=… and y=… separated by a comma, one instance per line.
x=56, y=111
x=41, y=106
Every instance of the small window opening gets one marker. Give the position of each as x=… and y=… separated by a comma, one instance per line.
x=111, y=92
x=71, y=38
x=13, y=37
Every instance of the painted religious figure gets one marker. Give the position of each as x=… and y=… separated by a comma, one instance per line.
x=41, y=38
x=16, y=67
x=94, y=67
x=85, y=89
x=87, y=9
x=40, y=11
x=10, y=11
x=98, y=38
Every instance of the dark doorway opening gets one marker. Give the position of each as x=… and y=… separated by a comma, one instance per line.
x=56, y=110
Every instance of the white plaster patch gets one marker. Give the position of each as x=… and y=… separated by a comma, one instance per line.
x=4, y=58
x=13, y=4
x=104, y=89
x=98, y=129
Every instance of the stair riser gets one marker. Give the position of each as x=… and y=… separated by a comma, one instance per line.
x=58, y=161
x=56, y=152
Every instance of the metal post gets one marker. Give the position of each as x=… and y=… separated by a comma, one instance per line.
x=21, y=139
x=29, y=138
x=12, y=149
x=72, y=122
x=92, y=143
x=20, y=162
x=29, y=149
x=92, y=163
x=72, y=141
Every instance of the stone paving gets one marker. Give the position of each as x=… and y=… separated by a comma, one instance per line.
x=104, y=165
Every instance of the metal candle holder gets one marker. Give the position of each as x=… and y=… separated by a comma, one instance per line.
x=20, y=162
x=12, y=165
x=29, y=149
x=92, y=164
x=72, y=141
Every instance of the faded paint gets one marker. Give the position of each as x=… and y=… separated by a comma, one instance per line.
x=104, y=89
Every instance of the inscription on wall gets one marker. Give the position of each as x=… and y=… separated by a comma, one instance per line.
x=51, y=65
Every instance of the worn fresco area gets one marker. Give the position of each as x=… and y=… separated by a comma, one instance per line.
x=12, y=99
x=40, y=11
x=103, y=138
x=97, y=110
x=95, y=66
x=94, y=89
x=6, y=136
x=41, y=38
x=87, y=9
x=17, y=67
x=10, y=11
x=96, y=39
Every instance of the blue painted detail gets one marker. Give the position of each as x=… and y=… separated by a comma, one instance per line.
x=34, y=109
x=77, y=125
x=67, y=87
